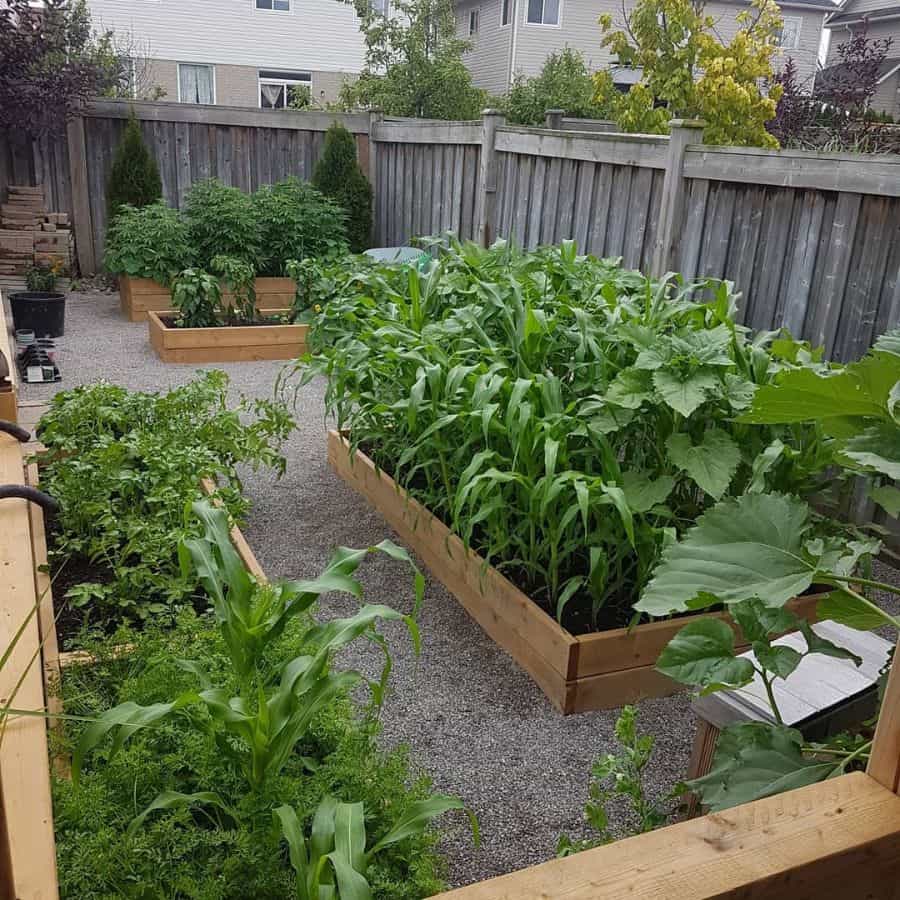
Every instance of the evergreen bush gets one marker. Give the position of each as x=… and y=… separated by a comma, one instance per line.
x=338, y=175
x=134, y=178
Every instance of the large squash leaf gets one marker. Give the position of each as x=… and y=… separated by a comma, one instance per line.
x=711, y=463
x=702, y=654
x=752, y=546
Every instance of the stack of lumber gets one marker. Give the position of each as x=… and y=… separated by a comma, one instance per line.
x=30, y=235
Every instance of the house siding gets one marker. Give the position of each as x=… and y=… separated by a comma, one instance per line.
x=488, y=58
x=314, y=36
x=887, y=96
x=841, y=34
x=865, y=6
x=579, y=30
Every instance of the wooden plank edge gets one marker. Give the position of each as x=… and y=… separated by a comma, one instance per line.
x=797, y=844
x=248, y=557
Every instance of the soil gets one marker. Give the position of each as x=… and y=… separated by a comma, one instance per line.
x=171, y=322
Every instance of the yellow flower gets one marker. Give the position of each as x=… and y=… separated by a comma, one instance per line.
x=317, y=308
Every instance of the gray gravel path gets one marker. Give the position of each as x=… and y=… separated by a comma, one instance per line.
x=471, y=718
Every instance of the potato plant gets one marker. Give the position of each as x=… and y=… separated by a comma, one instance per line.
x=566, y=417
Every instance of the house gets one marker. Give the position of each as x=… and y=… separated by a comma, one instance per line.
x=512, y=37
x=882, y=21
x=237, y=52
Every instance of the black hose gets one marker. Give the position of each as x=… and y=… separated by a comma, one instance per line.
x=17, y=431
x=24, y=492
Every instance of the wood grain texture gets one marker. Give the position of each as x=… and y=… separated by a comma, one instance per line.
x=798, y=845
x=225, y=344
x=884, y=763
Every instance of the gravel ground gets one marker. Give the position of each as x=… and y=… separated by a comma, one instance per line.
x=472, y=720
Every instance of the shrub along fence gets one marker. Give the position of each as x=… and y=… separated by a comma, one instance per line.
x=811, y=239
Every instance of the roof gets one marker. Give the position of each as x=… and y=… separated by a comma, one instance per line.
x=845, y=13
x=885, y=70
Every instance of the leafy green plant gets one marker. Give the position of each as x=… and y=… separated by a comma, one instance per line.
x=339, y=176
x=197, y=296
x=240, y=279
x=134, y=177
x=621, y=776
x=42, y=278
x=333, y=862
x=124, y=464
x=150, y=242
x=223, y=221
x=567, y=418
x=296, y=222
x=200, y=851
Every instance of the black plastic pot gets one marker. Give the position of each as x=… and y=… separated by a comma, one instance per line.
x=42, y=312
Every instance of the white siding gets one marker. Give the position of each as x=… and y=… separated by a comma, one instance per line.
x=841, y=34
x=579, y=30
x=887, y=96
x=318, y=35
x=867, y=6
x=488, y=60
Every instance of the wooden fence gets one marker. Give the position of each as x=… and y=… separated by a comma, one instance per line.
x=812, y=240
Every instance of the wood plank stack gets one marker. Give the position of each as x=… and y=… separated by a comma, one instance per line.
x=30, y=235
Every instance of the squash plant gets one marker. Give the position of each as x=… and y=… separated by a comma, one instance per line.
x=755, y=552
x=567, y=418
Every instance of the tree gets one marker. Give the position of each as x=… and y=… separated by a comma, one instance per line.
x=795, y=112
x=338, y=175
x=414, y=63
x=689, y=71
x=134, y=177
x=564, y=83
x=51, y=62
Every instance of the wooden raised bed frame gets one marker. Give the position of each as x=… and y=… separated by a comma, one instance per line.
x=137, y=296
x=27, y=840
x=229, y=343
x=603, y=670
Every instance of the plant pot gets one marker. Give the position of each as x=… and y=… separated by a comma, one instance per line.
x=42, y=312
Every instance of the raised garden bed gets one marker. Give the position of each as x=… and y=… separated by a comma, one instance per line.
x=577, y=673
x=138, y=296
x=229, y=343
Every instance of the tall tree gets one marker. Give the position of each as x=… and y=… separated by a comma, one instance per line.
x=689, y=70
x=134, y=177
x=414, y=64
x=51, y=62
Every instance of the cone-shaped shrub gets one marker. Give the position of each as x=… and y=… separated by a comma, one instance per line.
x=134, y=178
x=338, y=175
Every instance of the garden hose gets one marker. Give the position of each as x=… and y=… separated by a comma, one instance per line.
x=25, y=492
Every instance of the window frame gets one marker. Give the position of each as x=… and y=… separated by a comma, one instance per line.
x=796, y=44
x=474, y=18
x=386, y=12
x=542, y=24
x=271, y=9
x=282, y=80
x=506, y=13
x=211, y=66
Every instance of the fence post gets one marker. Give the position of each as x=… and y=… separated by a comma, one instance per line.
x=486, y=193
x=668, y=230
x=375, y=116
x=553, y=118
x=81, y=203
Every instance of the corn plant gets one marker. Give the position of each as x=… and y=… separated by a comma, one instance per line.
x=567, y=418
x=332, y=862
x=258, y=729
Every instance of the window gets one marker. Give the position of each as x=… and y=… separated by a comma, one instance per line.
x=504, y=12
x=788, y=37
x=542, y=12
x=280, y=90
x=474, y=18
x=382, y=7
x=277, y=5
x=196, y=83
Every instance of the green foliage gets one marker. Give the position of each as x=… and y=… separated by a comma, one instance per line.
x=687, y=71
x=197, y=296
x=565, y=417
x=621, y=777
x=296, y=222
x=151, y=242
x=223, y=221
x=563, y=83
x=134, y=178
x=240, y=278
x=124, y=464
x=338, y=175
x=202, y=851
x=42, y=278
x=414, y=64
x=333, y=863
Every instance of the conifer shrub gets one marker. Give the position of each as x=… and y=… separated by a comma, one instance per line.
x=339, y=176
x=134, y=178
